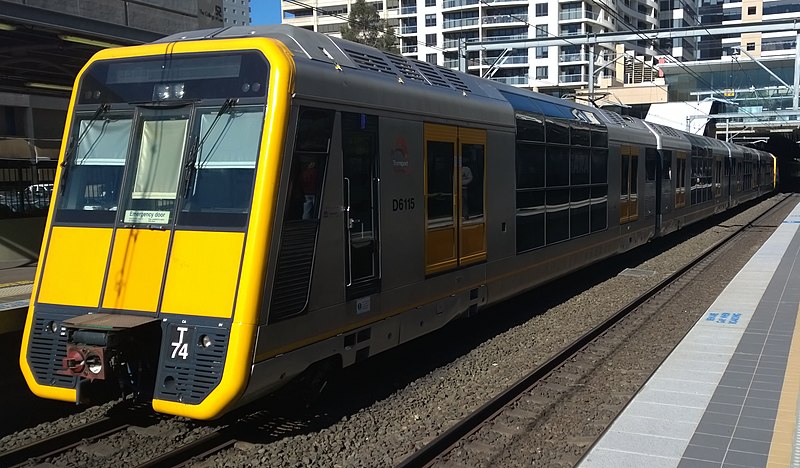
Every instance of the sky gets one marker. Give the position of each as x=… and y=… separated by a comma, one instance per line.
x=265, y=12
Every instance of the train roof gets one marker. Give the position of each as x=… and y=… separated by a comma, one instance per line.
x=311, y=47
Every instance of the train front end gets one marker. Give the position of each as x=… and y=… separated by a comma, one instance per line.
x=154, y=253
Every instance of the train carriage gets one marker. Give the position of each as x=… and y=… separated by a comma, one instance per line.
x=238, y=208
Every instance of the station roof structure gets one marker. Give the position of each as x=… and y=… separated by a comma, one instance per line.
x=41, y=51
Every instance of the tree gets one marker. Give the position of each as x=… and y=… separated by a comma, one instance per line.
x=366, y=27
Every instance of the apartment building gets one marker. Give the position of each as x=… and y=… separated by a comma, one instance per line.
x=742, y=12
x=437, y=31
x=236, y=12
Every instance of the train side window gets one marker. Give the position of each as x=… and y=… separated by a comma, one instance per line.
x=580, y=136
x=441, y=160
x=579, y=202
x=599, y=166
x=557, y=166
x=598, y=214
x=650, y=163
x=529, y=127
x=629, y=191
x=530, y=165
x=666, y=165
x=680, y=180
x=530, y=219
x=599, y=139
x=557, y=219
x=579, y=166
x=312, y=145
x=557, y=131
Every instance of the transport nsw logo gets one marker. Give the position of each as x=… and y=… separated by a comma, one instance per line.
x=400, y=156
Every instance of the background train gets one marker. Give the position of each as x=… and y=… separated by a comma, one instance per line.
x=235, y=207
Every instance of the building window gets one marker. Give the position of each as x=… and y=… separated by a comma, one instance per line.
x=430, y=2
x=541, y=73
x=541, y=9
x=430, y=20
x=541, y=52
x=430, y=58
x=430, y=40
x=751, y=10
x=751, y=46
x=541, y=30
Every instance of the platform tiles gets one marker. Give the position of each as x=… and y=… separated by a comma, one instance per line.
x=727, y=396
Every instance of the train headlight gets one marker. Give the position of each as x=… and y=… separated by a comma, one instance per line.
x=94, y=364
x=206, y=341
x=52, y=327
x=165, y=91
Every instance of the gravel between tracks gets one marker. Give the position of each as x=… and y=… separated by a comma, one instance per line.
x=384, y=432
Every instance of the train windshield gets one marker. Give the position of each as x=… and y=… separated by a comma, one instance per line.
x=161, y=143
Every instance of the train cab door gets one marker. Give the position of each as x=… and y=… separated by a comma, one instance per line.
x=455, y=231
x=360, y=156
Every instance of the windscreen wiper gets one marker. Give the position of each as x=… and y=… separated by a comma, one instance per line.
x=194, y=150
x=69, y=156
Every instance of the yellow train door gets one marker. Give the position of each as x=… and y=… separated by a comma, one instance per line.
x=455, y=188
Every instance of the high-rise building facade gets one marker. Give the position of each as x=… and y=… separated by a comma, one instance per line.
x=743, y=12
x=237, y=12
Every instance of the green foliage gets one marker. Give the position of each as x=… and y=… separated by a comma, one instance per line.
x=366, y=27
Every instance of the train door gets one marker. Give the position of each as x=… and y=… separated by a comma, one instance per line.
x=629, y=181
x=665, y=188
x=680, y=179
x=360, y=156
x=717, y=174
x=455, y=232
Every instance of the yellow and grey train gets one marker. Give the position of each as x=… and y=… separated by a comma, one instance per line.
x=240, y=207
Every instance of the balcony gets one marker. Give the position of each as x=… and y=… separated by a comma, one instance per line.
x=503, y=38
x=505, y=19
x=577, y=78
x=579, y=57
x=409, y=49
x=408, y=29
x=567, y=15
x=409, y=10
x=511, y=80
x=460, y=23
x=458, y=3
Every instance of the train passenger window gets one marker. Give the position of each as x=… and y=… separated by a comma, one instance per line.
x=441, y=158
x=557, y=215
x=666, y=165
x=530, y=219
x=580, y=136
x=94, y=176
x=579, y=166
x=650, y=163
x=557, y=131
x=472, y=168
x=599, y=166
x=557, y=167
x=629, y=170
x=579, y=202
x=599, y=209
x=309, y=161
x=530, y=165
x=599, y=139
x=221, y=179
x=529, y=127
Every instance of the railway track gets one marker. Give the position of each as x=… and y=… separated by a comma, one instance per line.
x=103, y=427
x=565, y=368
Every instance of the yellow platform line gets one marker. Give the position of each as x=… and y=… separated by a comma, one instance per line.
x=783, y=434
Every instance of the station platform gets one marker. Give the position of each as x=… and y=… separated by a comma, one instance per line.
x=727, y=396
x=15, y=291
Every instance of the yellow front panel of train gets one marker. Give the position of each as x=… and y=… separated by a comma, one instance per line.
x=74, y=266
x=203, y=273
x=136, y=270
